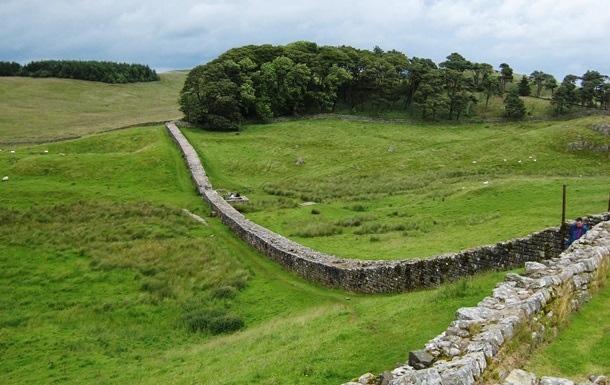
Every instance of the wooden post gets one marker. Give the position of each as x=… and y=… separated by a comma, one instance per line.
x=563, y=207
x=563, y=219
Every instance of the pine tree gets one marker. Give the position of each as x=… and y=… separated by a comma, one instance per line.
x=515, y=108
x=524, y=86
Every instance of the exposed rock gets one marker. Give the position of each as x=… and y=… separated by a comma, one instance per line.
x=530, y=267
x=419, y=377
x=385, y=378
x=367, y=379
x=475, y=313
x=555, y=381
x=520, y=377
x=420, y=359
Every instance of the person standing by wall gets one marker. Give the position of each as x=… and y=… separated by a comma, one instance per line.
x=577, y=230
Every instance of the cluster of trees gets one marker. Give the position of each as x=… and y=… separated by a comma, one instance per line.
x=258, y=83
x=593, y=92
x=99, y=71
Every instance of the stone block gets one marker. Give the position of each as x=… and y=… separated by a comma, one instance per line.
x=419, y=377
x=520, y=377
x=476, y=313
x=555, y=381
x=420, y=359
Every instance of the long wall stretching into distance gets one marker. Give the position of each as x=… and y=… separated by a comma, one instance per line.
x=372, y=276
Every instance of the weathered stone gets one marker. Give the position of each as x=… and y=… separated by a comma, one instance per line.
x=546, y=281
x=460, y=376
x=481, y=346
x=520, y=377
x=419, y=377
x=555, y=381
x=475, y=313
x=367, y=379
x=531, y=267
x=420, y=359
x=385, y=378
x=599, y=380
x=519, y=280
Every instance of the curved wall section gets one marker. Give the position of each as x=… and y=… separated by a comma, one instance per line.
x=371, y=276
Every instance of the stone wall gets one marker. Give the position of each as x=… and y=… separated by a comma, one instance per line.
x=371, y=276
x=486, y=343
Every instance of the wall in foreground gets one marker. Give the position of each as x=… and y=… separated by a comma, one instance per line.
x=371, y=276
x=481, y=345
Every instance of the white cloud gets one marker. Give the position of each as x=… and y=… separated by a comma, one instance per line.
x=559, y=37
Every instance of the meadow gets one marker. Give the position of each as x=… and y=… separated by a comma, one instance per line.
x=104, y=279
x=396, y=191
x=38, y=110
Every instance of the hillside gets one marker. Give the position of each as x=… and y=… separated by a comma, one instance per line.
x=105, y=280
x=37, y=110
x=393, y=191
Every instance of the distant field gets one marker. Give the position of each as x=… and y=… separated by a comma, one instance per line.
x=47, y=109
x=394, y=191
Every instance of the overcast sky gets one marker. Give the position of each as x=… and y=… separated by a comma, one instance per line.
x=559, y=37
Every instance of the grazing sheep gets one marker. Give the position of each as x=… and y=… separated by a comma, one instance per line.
x=5, y=179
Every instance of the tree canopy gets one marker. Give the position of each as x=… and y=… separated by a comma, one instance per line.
x=259, y=83
x=265, y=82
x=99, y=71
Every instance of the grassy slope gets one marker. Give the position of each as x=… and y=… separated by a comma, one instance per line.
x=97, y=264
x=44, y=109
x=426, y=197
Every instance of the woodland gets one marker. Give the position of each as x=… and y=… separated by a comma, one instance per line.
x=262, y=82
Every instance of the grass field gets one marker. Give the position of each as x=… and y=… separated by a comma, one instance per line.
x=47, y=109
x=104, y=279
x=394, y=191
x=101, y=273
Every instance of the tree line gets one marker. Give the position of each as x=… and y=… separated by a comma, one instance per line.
x=262, y=82
x=98, y=71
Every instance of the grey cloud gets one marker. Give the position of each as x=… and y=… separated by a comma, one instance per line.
x=559, y=37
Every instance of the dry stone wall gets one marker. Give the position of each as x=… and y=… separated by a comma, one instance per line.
x=480, y=345
x=371, y=276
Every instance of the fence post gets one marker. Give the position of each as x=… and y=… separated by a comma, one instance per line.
x=563, y=218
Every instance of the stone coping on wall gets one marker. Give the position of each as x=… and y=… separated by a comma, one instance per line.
x=371, y=276
x=523, y=312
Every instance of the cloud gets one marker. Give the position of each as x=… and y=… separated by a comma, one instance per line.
x=559, y=37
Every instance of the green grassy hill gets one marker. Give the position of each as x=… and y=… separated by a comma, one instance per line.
x=103, y=277
x=48, y=109
x=105, y=280
x=394, y=191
